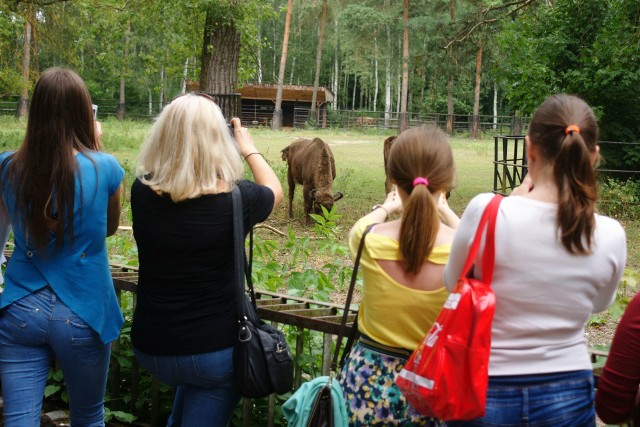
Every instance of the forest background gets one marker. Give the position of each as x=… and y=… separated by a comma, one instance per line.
x=473, y=57
x=500, y=57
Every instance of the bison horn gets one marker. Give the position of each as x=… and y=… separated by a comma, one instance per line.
x=313, y=193
x=337, y=196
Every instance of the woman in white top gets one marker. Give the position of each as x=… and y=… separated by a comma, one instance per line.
x=557, y=262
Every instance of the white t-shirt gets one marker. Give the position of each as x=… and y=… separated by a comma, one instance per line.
x=544, y=294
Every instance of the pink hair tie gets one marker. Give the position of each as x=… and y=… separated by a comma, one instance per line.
x=420, y=180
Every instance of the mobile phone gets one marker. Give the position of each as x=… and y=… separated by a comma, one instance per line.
x=94, y=107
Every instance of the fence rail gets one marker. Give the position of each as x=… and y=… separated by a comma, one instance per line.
x=299, y=313
x=260, y=115
x=510, y=163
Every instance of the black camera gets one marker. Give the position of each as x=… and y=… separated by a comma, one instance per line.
x=230, y=127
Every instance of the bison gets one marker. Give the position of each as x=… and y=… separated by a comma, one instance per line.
x=310, y=163
x=385, y=152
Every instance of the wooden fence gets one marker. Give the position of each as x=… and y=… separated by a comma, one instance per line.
x=254, y=116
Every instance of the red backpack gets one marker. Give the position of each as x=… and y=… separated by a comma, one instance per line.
x=446, y=377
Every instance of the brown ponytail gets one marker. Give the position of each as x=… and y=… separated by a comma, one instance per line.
x=565, y=129
x=422, y=152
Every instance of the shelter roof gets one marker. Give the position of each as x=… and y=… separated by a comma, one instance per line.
x=289, y=93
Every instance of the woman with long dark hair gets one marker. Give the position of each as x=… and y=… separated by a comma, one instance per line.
x=61, y=196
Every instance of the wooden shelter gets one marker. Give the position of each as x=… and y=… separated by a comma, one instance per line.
x=259, y=100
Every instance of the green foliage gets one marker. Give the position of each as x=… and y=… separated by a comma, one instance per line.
x=303, y=266
x=586, y=47
x=55, y=389
x=121, y=416
x=325, y=224
x=620, y=199
x=629, y=286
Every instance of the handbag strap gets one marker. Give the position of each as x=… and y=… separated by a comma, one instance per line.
x=488, y=257
x=238, y=246
x=347, y=304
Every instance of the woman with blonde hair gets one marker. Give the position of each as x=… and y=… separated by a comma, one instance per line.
x=402, y=264
x=556, y=262
x=185, y=321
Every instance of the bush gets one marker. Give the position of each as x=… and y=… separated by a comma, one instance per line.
x=620, y=199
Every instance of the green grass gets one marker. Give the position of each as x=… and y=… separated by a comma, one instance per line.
x=359, y=164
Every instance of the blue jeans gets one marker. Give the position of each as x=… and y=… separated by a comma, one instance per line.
x=33, y=330
x=563, y=399
x=206, y=392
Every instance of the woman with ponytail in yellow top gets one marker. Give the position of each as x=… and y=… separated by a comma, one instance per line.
x=402, y=265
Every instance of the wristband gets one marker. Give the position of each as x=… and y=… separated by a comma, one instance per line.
x=251, y=154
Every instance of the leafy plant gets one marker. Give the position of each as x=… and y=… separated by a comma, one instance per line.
x=620, y=199
x=629, y=285
x=325, y=224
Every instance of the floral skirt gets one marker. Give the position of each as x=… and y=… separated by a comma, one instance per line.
x=372, y=397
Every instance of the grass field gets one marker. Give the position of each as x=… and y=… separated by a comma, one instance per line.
x=359, y=164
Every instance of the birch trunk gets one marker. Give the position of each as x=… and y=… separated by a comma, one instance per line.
x=495, y=105
x=276, y=123
x=377, y=80
x=316, y=81
x=121, y=99
x=26, y=67
x=476, y=101
x=405, y=68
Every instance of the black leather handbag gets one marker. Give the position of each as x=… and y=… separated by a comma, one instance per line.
x=261, y=358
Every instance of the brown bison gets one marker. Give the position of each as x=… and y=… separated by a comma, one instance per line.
x=385, y=151
x=310, y=163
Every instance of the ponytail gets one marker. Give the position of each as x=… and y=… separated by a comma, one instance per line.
x=418, y=229
x=577, y=194
x=565, y=129
x=421, y=163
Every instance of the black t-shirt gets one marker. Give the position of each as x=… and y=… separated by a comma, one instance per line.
x=186, y=300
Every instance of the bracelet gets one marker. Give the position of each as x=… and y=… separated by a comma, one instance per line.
x=381, y=207
x=251, y=154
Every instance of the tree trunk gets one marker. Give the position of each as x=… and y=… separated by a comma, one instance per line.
x=26, y=66
x=377, y=80
x=316, y=82
x=293, y=67
x=149, y=102
x=405, y=68
x=387, y=86
x=259, y=55
x=121, y=100
x=398, y=92
x=476, y=101
x=161, y=94
x=183, y=83
x=346, y=87
x=495, y=105
x=220, y=54
x=450, y=103
x=450, y=117
x=336, y=68
x=120, y=112
x=276, y=123
x=355, y=86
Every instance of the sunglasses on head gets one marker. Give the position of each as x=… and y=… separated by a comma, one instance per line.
x=210, y=98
